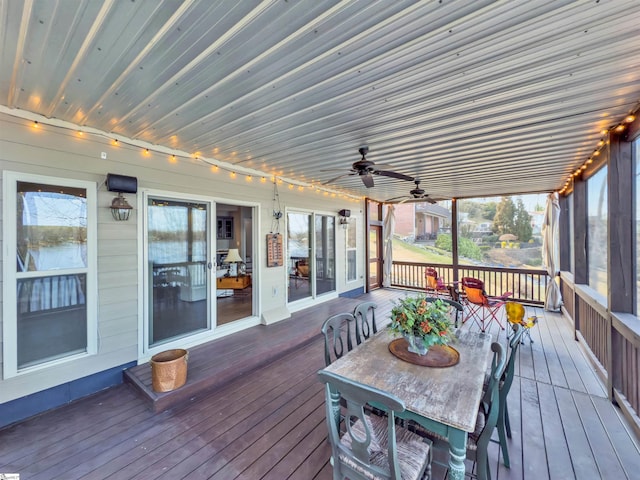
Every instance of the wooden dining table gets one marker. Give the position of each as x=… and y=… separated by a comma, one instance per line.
x=444, y=400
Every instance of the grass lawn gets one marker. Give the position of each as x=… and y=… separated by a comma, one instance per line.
x=408, y=252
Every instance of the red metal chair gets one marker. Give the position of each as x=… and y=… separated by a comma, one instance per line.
x=481, y=308
x=434, y=284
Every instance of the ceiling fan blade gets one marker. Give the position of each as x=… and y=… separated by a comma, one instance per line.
x=367, y=179
x=420, y=200
x=389, y=200
x=337, y=178
x=388, y=173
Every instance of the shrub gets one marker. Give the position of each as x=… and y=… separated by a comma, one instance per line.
x=466, y=247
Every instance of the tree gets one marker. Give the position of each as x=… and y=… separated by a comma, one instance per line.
x=522, y=222
x=489, y=210
x=470, y=207
x=504, y=220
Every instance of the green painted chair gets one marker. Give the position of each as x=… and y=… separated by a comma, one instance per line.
x=503, y=425
x=337, y=336
x=372, y=447
x=488, y=412
x=365, y=315
x=337, y=341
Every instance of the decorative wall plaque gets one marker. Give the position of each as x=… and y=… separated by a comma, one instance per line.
x=274, y=250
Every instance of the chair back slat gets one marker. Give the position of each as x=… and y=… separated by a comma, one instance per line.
x=365, y=321
x=337, y=336
x=514, y=344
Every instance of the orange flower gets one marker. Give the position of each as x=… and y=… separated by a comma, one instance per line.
x=426, y=328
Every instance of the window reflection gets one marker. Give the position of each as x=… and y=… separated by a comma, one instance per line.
x=51, y=227
x=597, y=231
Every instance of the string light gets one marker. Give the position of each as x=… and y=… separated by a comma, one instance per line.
x=173, y=158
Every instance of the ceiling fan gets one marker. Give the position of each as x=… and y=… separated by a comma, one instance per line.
x=366, y=169
x=417, y=194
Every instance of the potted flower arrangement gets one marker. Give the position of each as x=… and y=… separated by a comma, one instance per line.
x=422, y=323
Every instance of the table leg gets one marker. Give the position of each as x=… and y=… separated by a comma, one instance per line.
x=457, y=454
x=335, y=408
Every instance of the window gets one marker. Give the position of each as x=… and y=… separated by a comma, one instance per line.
x=597, y=206
x=351, y=251
x=50, y=225
x=225, y=228
x=572, y=247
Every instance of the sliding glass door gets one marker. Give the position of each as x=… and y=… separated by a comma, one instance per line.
x=311, y=255
x=179, y=268
x=301, y=268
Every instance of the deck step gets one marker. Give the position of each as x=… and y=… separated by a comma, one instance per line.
x=216, y=363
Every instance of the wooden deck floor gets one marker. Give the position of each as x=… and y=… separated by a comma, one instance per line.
x=269, y=422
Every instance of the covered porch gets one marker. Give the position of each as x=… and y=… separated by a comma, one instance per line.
x=268, y=421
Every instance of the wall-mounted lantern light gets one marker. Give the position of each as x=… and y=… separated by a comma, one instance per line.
x=120, y=208
x=344, y=218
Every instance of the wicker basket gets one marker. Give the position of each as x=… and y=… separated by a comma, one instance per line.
x=169, y=370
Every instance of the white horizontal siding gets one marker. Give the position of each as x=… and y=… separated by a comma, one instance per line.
x=58, y=152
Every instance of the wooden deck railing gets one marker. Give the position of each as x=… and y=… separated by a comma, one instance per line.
x=613, y=340
x=527, y=286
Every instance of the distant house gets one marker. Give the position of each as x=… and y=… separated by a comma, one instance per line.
x=420, y=220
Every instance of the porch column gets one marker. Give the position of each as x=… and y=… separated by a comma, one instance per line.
x=620, y=271
x=580, y=228
x=565, y=231
x=454, y=238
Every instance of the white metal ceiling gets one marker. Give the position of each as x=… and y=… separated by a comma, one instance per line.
x=474, y=98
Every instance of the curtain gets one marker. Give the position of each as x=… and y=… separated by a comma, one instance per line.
x=388, y=225
x=550, y=251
